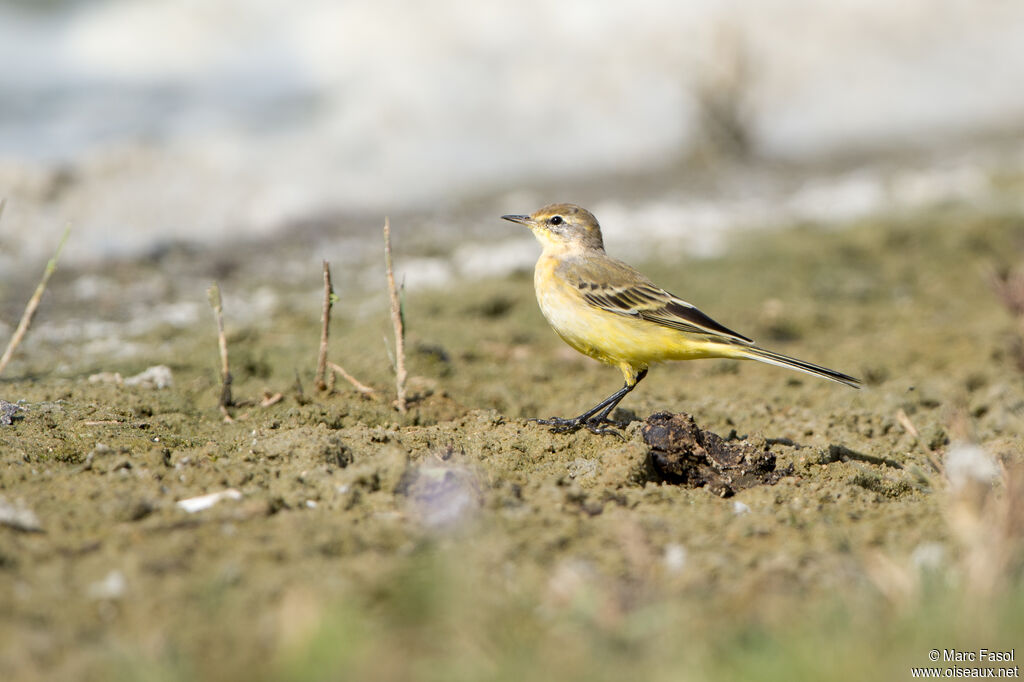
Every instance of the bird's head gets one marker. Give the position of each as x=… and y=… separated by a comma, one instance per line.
x=563, y=226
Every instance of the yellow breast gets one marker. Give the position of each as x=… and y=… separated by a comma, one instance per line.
x=611, y=338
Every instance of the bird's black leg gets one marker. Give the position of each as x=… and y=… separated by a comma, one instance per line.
x=593, y=418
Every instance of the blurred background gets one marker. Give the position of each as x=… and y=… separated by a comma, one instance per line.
x=144, y=122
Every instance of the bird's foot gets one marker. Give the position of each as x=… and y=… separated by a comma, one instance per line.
x=602, y=426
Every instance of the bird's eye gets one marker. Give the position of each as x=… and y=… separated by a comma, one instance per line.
x=556, y=220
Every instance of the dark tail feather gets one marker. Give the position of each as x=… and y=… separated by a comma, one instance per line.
x=780, y=360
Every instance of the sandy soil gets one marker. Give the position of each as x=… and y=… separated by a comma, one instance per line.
x=460, y=540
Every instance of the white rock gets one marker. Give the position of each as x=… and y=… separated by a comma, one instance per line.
x=19, y=517
x=111, y=587
x=674, y=557
x=194, y=504
x=157, y=376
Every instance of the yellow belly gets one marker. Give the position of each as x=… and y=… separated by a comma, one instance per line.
x=609, y=337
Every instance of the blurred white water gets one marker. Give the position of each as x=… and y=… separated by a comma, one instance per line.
x=141, y=121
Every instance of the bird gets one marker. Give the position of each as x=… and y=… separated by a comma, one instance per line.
x=609, y=311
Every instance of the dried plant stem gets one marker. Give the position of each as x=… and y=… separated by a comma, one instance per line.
x=396, y=319
x=325, y=320
x=908, y=426
x=358, y=385
x=33, y=303
x=225, y=373
x=1008, y=285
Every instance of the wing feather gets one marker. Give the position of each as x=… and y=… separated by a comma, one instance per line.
x=650, y=303
x=615, y=287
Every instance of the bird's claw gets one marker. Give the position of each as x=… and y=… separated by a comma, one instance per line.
x=601, y=427
x=559, y=423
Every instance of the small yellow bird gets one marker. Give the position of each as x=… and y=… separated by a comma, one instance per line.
x=605, y=309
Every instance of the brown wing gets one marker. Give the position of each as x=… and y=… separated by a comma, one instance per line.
x=614, y=286
x=648, y=302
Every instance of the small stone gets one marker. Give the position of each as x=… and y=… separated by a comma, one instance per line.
x=674, y=557
x=157, y=376
x=111, y=587
x=19, y=517
x=195, y=504
x=106, y=378
x=8, y=413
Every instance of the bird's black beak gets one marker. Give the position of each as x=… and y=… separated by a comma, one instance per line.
x=521, y=219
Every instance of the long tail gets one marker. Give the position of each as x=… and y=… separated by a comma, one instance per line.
x=780, y=360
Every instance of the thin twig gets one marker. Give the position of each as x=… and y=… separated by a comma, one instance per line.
x=271, y=398
x=325, y=319
x=358, y=385
x=908, y=426
x=33, y=303
x=225, y=373
x=331, y=381
x=1008, y=286
x=300, y=394
x=397, y=320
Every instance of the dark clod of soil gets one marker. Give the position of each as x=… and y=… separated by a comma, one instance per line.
x=683, y=453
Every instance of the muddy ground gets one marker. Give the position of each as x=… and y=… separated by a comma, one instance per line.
x=460, y=540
